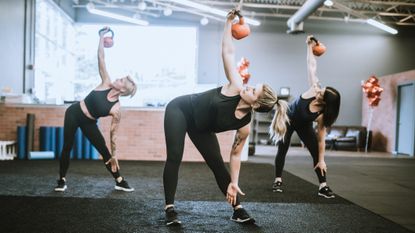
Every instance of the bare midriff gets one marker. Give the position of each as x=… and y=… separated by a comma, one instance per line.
x=85, y=110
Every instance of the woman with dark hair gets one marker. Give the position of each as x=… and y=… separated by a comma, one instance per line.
x=202, y=115
x=102, y=101
x=318, y=104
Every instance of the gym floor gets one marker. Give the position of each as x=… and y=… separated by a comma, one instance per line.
x=380, y=182
x=373, y=195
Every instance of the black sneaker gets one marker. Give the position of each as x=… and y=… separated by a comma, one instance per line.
x=61, y=187
x=326, y=192
x=241, y=216
x=171, y=217
x=277, y=187
x=123, y=186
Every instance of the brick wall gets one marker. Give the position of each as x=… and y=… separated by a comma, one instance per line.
x=384, y=115
x=141, y=133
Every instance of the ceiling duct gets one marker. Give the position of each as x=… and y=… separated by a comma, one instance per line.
x=295, y=22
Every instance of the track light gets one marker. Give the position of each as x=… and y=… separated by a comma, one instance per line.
x=91, y=9
x=328, y=3
x=381, y=26
x=142, y=5
x=213, y=10
x=204, y=21
x=167, y=11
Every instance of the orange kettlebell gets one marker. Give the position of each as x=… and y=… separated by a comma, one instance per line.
x=240, y=29
x=318, y=49
x=108, y=40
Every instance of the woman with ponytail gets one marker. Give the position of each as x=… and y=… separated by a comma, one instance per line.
x=317, y=104
x=202, y=115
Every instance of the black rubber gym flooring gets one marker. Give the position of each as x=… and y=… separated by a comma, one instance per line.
x=90, y=204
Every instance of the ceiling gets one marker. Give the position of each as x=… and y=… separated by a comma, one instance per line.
x=395, y=13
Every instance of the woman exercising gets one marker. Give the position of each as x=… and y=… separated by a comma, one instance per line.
x=203, y=115
x=102, y=101
x=319, y=104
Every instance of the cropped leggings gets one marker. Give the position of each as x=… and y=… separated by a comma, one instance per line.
x=308, y=137
x=177, y=122
x=74, y=118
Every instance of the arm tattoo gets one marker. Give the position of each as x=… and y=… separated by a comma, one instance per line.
x=113, y=132
x=236, y=141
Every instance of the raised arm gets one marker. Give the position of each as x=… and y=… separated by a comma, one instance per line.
x=228, y=53
x=101, y=58
x=235, y=163
x=311, y=64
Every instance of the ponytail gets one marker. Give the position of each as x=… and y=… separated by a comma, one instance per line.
x=278, y=126
x=267, y=102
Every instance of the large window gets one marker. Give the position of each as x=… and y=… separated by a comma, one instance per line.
x=161, y=59
x=54, y=53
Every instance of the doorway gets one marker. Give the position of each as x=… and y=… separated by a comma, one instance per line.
x=405, y=124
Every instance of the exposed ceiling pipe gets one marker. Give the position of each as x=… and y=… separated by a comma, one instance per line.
x=295, y=23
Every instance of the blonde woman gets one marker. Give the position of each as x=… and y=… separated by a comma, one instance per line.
x=202, y=115
x=102, y=101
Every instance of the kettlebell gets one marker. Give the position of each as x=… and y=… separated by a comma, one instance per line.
x=318, y=49
x=240, y=29
x=108, y=40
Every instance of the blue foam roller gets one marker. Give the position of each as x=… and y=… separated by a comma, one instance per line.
x=44, y=138
x=21, y=142
x=52, y=139
x=41, y=155
x=78, y=144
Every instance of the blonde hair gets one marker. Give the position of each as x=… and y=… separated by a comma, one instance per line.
x=278, y=126
x=266, y=102
x=131, y=89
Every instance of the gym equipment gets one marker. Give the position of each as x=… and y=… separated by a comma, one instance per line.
x=108, y=40
x=21, y=142
x=318, y=49
x=240, y=29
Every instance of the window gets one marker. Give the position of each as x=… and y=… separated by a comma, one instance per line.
x=161, y=59
x=54, y=53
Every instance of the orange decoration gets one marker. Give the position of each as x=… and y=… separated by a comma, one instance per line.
x=373, y=91
x=243, y=65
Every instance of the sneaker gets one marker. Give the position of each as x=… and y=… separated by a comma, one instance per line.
x=61, y=186
x=241, y=216
x=326, y=192
x=171, y=217
x=277, y=187
x=123, y=186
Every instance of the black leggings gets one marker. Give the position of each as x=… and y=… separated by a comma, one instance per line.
x=308, y=137
x=74, y=118
x=177, y=122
